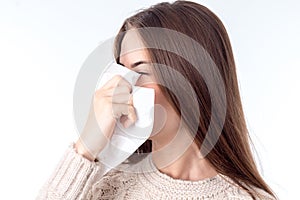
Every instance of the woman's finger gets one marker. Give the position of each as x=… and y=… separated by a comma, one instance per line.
x=117, y=81
x=128, y=120
x=124, y=110
x=122, y=89
x=122, y=99
x=131, y=117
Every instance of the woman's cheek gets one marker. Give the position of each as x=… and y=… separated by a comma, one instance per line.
x=160, y=119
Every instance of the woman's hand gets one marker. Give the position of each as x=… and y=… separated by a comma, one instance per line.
x=110, y=102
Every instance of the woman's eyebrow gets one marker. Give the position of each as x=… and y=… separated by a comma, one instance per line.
x=135, y=64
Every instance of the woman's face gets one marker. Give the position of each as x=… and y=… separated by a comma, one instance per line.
x=166, y=120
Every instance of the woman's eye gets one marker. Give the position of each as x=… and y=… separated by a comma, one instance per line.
x=143, y=73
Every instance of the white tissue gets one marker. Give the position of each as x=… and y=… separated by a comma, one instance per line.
x=125, y=141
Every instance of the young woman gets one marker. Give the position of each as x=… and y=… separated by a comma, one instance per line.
x=197, y=150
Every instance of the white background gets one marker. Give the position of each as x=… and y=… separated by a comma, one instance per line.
x=44, y=43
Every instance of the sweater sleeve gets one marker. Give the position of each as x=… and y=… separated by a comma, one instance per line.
x=72, y=178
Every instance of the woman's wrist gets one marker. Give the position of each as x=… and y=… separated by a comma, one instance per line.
x=83, y=151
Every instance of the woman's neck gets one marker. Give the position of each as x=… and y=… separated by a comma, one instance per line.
x=181, y=159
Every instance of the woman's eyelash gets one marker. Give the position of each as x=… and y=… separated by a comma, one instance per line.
x=143, y=73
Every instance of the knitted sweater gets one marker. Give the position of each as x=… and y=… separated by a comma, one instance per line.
x=78, y=178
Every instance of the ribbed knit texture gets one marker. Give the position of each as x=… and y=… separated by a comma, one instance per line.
x=78, y=178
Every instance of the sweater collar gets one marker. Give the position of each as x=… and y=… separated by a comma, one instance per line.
x=156, y=181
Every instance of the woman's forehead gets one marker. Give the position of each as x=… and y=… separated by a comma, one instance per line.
x=131, y=42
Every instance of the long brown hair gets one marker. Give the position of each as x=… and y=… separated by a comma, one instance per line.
x=231, y=155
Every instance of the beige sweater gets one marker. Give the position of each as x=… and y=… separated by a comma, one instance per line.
x=77, y=178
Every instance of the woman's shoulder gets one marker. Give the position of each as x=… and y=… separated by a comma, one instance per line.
x=239, y=193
